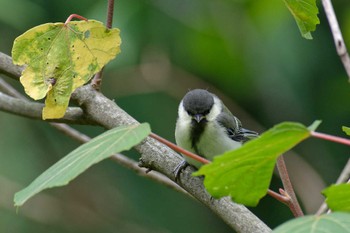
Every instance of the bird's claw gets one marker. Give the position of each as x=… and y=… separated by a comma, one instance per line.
x=178, y=169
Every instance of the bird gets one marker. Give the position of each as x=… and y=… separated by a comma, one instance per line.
x=206, y=127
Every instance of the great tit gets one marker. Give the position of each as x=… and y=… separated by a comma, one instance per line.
x=206, y=127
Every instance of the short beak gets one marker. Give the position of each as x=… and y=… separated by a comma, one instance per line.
x=198, y=117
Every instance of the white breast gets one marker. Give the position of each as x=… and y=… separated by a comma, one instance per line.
x=214, y=141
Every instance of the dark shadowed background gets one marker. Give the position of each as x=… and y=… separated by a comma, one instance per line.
x=248, y=52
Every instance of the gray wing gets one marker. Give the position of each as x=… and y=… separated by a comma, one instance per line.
x=234, y=128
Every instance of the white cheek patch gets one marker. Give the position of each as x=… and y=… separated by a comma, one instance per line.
x=183, y=115
x=215, y=110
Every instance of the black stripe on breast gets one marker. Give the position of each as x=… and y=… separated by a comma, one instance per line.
x=197, y=130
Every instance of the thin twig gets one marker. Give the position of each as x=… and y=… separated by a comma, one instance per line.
x=97, y=80
x=345, y=174
x=71, y=132
x=179, y=149
x=288, y=188
x=337, y=35
x=7, y=89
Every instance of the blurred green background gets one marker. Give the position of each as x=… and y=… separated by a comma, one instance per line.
x=248, y=52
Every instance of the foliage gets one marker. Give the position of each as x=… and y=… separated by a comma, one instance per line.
x=346, y=130
x=244, y=174
x=334, y=222
x=305, y=14
x=278, y=70
x=101, y=147
x=62, y=57
x=338, y=197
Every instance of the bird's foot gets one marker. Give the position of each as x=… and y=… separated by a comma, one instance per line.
x=178, y=169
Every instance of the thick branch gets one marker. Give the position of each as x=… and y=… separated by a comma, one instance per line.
x=8, y=68
x=74, y=115
x=156, y=156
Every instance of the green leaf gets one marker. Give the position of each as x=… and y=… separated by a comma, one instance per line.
x=338, y=197
x=99, y=148
x=330, y=223
x=61, y=58
x=346, y=130
x=305, y=14
x=245, y=173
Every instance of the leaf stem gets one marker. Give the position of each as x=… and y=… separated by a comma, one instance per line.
x=74, y=16
x=110, y=10
x=330, y=138
x=293, y=204
x=97, y=80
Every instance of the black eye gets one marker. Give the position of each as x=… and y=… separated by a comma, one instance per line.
x=206, y=112
x=191, y=113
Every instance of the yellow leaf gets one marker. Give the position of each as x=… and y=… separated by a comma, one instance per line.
x=61, y=58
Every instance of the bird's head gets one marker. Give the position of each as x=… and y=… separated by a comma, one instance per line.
x=200, y=105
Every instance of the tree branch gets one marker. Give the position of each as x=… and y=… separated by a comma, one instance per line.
x=8, y=68
x=156, y=156
x=154, y=175
x=337, y=35
x=74, y=115
x=34, y=111
x=82, y=138
x=122, y=159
